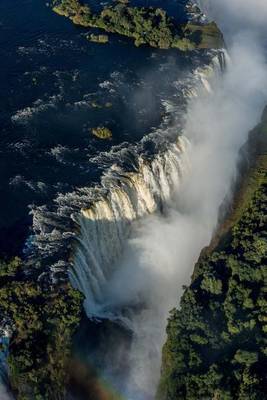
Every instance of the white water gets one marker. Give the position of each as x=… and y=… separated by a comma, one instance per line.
x=105, y=226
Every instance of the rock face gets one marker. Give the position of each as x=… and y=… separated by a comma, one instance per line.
x=216, y=344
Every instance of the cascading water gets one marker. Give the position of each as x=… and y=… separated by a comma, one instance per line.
x=105, y=226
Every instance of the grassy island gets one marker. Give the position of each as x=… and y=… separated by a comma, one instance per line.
x=216, y=347
x=98, y=38
x=146, y=26
x=43, y=321
x=102, y=132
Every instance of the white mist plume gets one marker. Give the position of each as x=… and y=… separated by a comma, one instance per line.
x=162, y=252
x=236, y=15
x=4, y=395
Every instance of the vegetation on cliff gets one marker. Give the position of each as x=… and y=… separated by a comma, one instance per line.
x=148, y=26
x=217, y=341
x=43, y=321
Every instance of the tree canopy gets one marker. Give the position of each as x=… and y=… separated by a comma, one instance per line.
x=145, y=25
x=42, y=321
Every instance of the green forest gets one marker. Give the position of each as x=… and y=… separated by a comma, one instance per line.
x=145, y=25
x=216, y=344
x=43, y=320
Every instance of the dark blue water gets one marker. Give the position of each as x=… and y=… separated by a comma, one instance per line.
x=55, y=87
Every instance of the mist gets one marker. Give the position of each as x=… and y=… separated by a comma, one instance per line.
x=4, y=394
x=161, y=253
x=234, y=16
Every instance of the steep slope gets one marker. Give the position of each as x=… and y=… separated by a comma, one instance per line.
x=216, y=345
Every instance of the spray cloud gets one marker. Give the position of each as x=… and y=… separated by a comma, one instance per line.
x=4, y=394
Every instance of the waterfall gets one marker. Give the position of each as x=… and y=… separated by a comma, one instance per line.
x=106, y=224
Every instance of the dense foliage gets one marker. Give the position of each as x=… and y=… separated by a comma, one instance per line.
x=217, y=341
x=43, y=321
x=150, y=26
